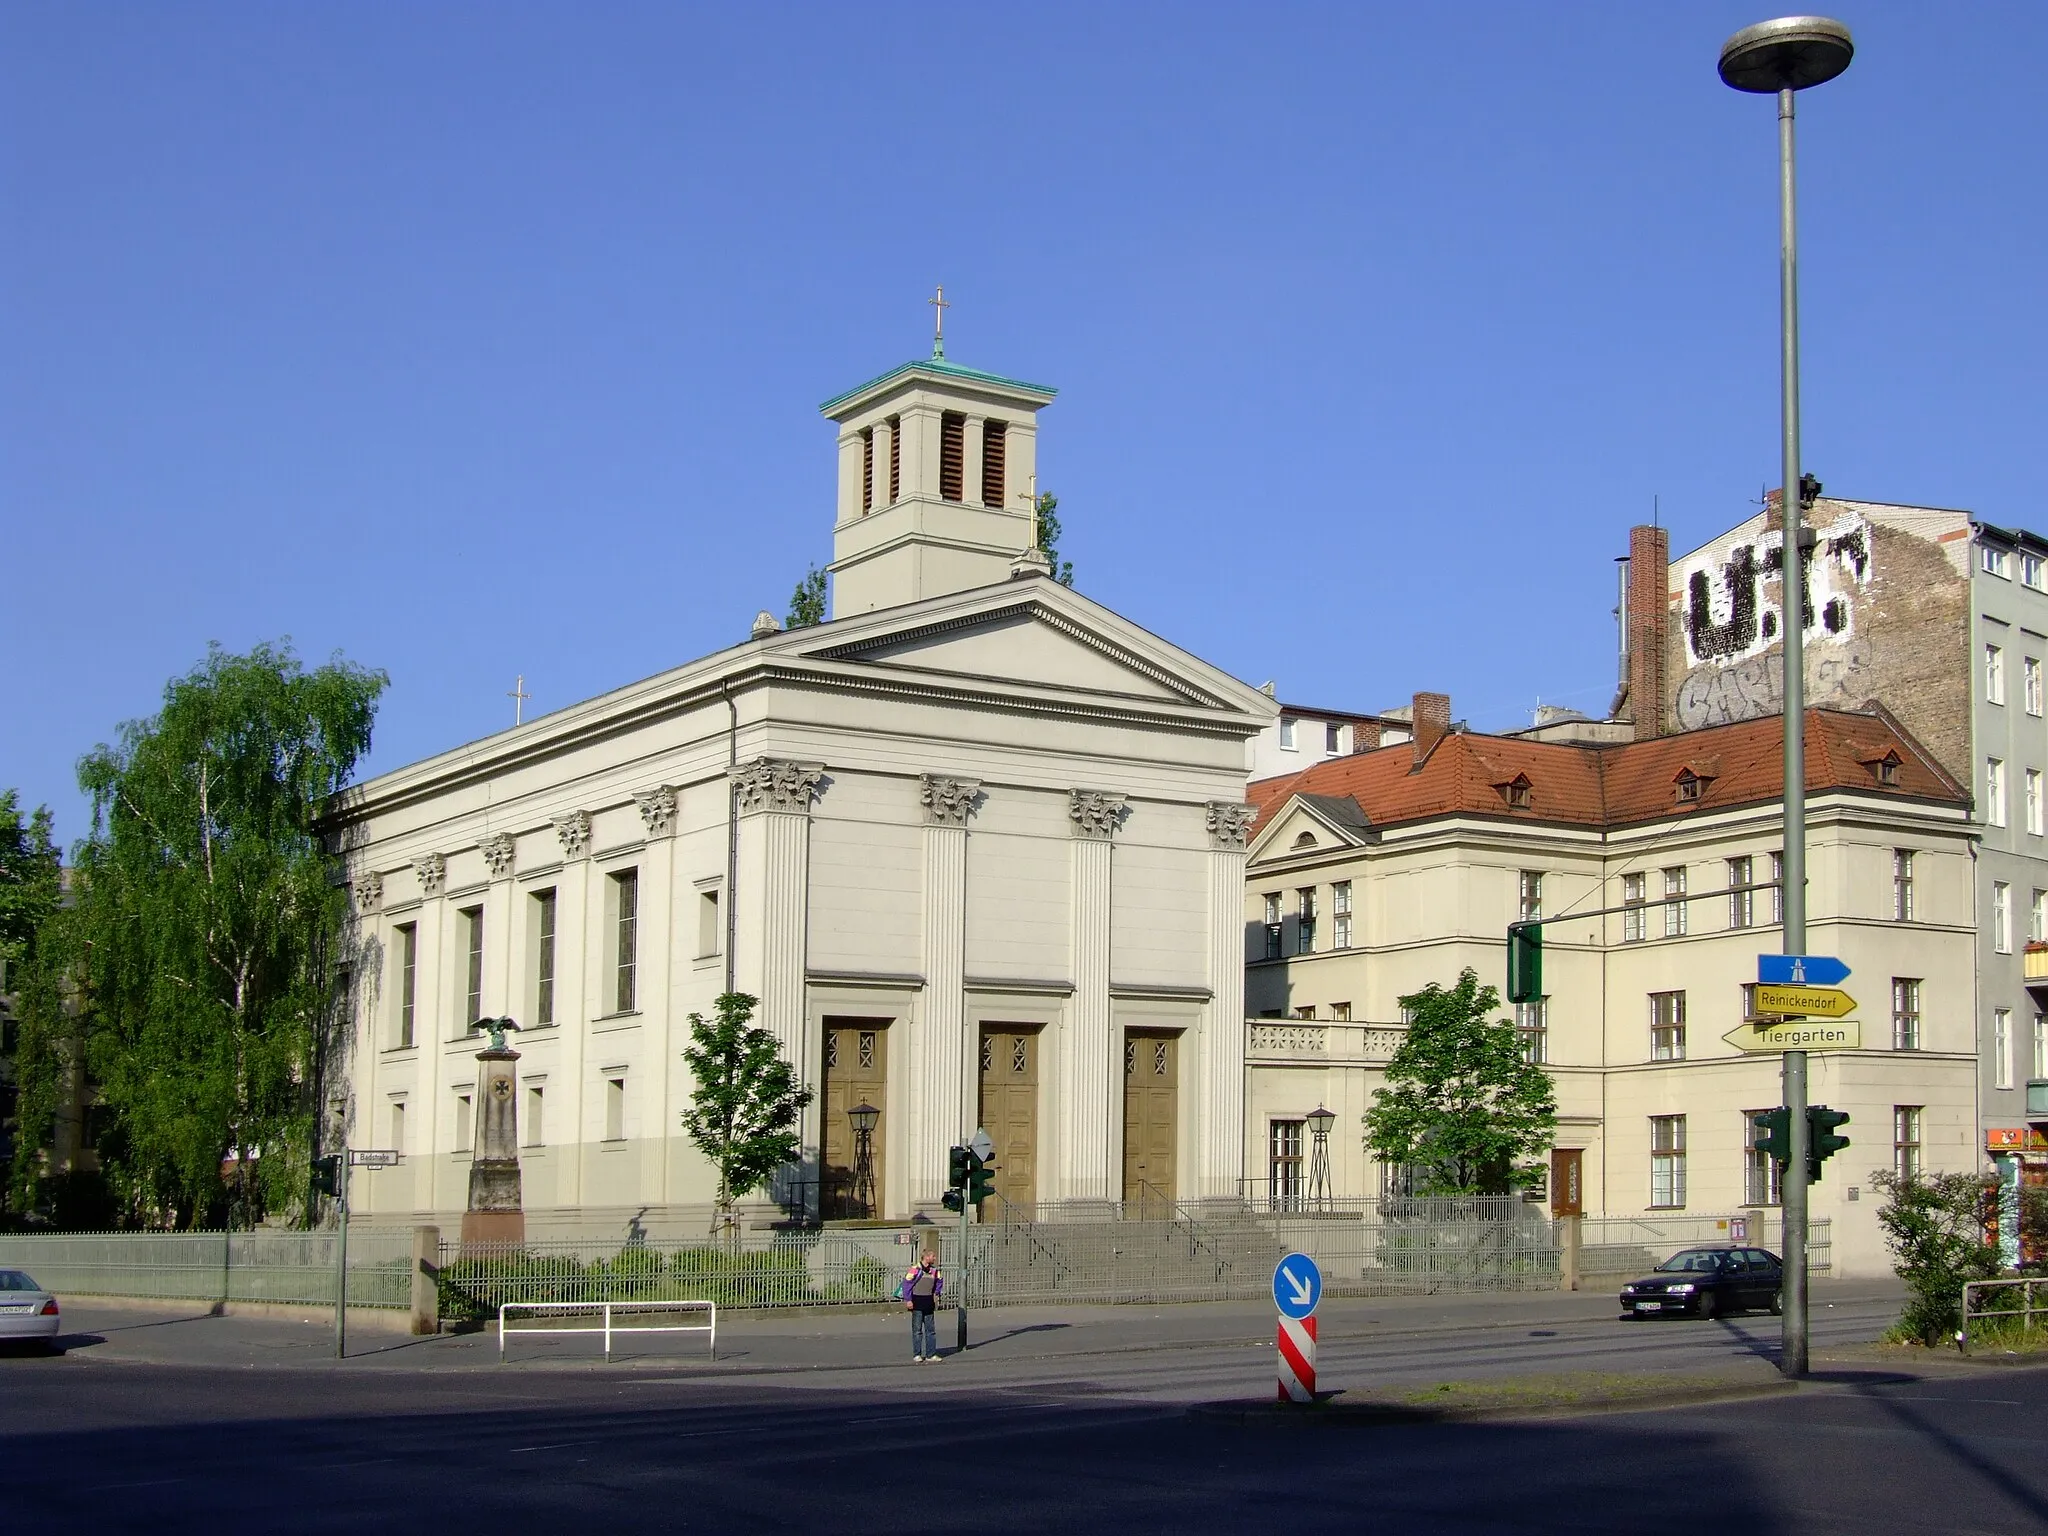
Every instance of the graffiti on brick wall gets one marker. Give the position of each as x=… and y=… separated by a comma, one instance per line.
x=1722, y=609
x=1722, y=693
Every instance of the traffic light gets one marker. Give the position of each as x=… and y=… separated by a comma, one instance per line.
x=956, y=1170
x=327, y=1176
x=1774, y=1134
x=954, y=1200
x=1525, y=962
x=981, y=1180
x=1821, y=1141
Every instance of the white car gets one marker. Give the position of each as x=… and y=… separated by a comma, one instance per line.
x=27, y=1311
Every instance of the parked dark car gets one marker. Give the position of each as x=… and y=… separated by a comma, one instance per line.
x=1707, y=1282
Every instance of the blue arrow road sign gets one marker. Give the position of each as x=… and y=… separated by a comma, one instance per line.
x=1800, y=971
x=1297, y=1286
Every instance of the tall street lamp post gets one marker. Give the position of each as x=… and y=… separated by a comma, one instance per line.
x=1782, y=58
x=864, y=1117
x=1319, y=1122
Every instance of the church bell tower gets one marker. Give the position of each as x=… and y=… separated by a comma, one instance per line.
x=936, y=469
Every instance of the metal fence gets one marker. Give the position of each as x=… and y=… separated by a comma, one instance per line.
x=1150, y=1252
x=212, y=1267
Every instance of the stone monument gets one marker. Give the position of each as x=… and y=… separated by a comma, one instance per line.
x=495, y=1214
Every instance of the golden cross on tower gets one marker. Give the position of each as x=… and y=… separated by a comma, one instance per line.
x=519, y=696
x=940, y=304
x=1030, y=499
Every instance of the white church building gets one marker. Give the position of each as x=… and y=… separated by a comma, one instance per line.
x=977, y=844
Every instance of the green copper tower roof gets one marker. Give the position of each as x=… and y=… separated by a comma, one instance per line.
x=938, y=365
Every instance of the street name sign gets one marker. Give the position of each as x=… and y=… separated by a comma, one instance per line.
x=1801, y=1035
x=1297, y=1286
x=1805, y=1002
x=370, y=1157
x=1800, y=971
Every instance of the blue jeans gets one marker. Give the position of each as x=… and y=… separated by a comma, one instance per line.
x=924, y=1333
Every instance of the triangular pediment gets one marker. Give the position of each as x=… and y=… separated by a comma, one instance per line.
x=1065, y=645
x=1309, y=824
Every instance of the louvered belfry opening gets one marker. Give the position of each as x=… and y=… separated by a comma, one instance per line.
x=867, y=470
x=895, y=459
x=952, y=456
x=992, y=444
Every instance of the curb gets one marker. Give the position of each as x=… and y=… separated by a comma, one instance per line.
x=1329, y=1411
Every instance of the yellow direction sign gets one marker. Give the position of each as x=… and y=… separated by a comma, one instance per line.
x=1802, y=1035
x=1811, y=1002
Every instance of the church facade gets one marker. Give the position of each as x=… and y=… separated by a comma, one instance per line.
x=976, y=845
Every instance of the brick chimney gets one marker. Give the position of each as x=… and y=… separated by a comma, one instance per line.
x=1365, y=736
x=1432, y=722
x=1649, y=623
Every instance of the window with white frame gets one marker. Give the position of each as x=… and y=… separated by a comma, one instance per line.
x=1305, y=921
x=2037, y=918
x=1635, y=891
x=543, y=928
x=1284, y=1163
x=1286, y=733
x=1532, y=1029
x=1333, y=738
x=2033, y=780
x=1340, y=914
x=1777, y=888
x=1272, y=925
x=1530, y=882
x=2030, y=571
x=1741, y=903
x=615, y=1106
x=1667, y=1026
x=2040, y=1046
x=1997, y=562
x=1340, y=1013
x=1674, y=911
x=2001, y=1047
x=624, y=900
x=1905, y=1013
x=473, y=988
x=1994, y=674
x=1994, y=791
x=1761, y=1173
x=2001, y=917
x=2030, y=672
x=1906, y=1140
x=408, y=961
x=1902, y=885
x=1667, y=1161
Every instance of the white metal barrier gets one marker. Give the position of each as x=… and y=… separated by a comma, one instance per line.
x=610, y=1327
x=1982, y=1290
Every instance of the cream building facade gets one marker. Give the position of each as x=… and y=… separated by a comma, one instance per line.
x=976, y=845
x=1372, y=876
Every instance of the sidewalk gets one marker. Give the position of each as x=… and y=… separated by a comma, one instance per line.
x=822, y=1339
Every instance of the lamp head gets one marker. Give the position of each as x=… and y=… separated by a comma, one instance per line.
x=1791, y=53
x=1320, y=1120
x=864, y=1116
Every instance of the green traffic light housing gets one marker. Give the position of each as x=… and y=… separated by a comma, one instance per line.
x=1525, y=962
x=956, y=1170
x=981, y=1179
x=327, y=1176
x=1821, y=1142
x=954, y=1200
x=1774, y=1134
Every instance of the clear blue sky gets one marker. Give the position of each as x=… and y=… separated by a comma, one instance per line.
x=475, y=340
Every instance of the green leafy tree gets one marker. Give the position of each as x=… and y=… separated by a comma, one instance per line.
x=743, y=1115
x=30, y=889
x=1936, y=1226
x=807, y=603
x=1049, y=538
x=1461, y=1104
x=205, y=924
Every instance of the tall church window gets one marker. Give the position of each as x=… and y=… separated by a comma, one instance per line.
x=473, y=989
x=952, y=456
x=626, y=919
x=994, y=447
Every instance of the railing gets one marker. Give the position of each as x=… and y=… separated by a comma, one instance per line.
x=210, y=1268
x=1981, y=1290
x=608, y=1309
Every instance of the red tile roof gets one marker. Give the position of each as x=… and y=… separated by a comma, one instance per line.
x=1617, y=783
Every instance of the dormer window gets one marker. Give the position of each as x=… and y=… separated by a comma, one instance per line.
x=1305, y=840
x=1515, y=792
x=1886, y=769
x=1691, y=786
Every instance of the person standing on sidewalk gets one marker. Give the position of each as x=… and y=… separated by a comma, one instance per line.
x=921, y=1290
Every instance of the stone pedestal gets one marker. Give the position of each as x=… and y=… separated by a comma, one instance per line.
x=495, y=1214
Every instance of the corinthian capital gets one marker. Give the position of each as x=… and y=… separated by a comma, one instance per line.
x=573, y=831
x=772, y=784
x=1229, y=823
x=498, y=850
x=947, y=801
x=433, y=869
x=1093, y=813
x=657, y=809
x=369, y=891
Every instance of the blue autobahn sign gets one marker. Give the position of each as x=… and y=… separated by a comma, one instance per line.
x=1800, y=971
x=1297, y=1286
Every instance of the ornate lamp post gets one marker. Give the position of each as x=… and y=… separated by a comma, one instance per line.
x=1781, y=58
x=1319, y=1122
x=864, y=1117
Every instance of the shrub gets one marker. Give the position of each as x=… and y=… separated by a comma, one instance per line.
x=1935, y=1227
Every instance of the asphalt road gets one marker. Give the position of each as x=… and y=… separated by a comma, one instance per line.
x=1055, y=1422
